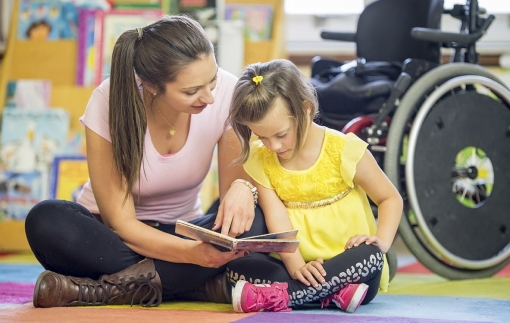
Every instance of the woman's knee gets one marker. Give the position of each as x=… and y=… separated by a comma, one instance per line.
x=49, y=215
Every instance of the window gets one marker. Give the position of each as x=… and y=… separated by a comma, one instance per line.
x=491, y=6
x=324, y=7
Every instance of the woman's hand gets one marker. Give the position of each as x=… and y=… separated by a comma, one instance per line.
x=236, y=211
x=364, y=238
x=207, y=255
x=311, y=273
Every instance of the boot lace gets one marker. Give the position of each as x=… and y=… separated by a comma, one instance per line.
x=90, y=290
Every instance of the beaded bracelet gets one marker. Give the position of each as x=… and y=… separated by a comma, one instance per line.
x=253, y=189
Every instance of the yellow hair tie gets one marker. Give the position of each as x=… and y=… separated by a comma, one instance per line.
x=258, y=79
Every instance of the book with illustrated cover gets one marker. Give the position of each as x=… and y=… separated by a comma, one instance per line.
x=271, y=242
x=19, y=192
x=86, y=49
x=30, y=139
x=258, y=20
x=47, y=20
x=68, y=174
x=108, y=28
x=28, y=94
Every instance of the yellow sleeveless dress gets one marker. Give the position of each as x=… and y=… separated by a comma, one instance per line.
x=323, y=229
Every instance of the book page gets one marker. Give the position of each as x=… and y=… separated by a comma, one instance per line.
x=205, y=235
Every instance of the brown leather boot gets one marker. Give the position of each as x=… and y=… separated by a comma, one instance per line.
x=216, y=290
x=139, y=283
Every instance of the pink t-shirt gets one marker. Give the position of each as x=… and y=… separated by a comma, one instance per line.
x=170, y=185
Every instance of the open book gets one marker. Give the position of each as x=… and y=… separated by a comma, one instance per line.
x=271, y=242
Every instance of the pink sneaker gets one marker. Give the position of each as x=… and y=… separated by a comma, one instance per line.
x=248, y=297
x=348, y=298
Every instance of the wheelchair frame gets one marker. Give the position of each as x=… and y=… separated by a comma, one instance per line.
x=399, y=136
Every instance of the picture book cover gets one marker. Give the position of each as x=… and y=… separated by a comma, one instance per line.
x=271, y=242
x=86, y=48
x=109, y=26
x=258, y=20
x=53, y=19
x=30, y=139
x=28, y=94
x=19, y=192
x=202, y=11
x=68, y=174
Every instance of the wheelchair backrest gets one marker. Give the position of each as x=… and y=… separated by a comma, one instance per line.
x=384, y=30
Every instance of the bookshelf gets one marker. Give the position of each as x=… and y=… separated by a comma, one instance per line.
x=265, y=50
x=52, y=60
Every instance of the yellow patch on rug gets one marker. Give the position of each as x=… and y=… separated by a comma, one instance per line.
x=434, y=285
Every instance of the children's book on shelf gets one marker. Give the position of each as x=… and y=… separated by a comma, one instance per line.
x=109, y=26
x=30, y=139
x=19, y=192
x=86, y=47
x=202, y=11
x=47, y=20
x=53, y=19
x=28, y=94
x=68, y=174
x=39, y=20
x=272, y=242
x=258, y=20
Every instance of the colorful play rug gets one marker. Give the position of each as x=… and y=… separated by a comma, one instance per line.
x=415, y=296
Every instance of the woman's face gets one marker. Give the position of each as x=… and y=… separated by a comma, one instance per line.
x=277, y=130
x=191, y=92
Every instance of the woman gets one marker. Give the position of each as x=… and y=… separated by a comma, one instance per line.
x=151, y=130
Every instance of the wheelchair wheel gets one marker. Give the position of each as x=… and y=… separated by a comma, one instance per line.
x=447, y=152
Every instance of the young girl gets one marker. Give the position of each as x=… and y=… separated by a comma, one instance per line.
x=315, y=180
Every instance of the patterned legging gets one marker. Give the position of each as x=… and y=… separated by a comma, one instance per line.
x=362, y=264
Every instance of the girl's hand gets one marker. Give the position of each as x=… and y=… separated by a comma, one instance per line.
x=312, y=273
x=207, y=255
x=364, y=238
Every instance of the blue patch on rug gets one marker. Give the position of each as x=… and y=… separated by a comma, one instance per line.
x=402, y=308
x=17, y=273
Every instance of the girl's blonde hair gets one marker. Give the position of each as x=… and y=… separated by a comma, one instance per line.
x=252, y=100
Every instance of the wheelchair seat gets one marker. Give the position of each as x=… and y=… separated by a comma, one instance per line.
x=383, y=42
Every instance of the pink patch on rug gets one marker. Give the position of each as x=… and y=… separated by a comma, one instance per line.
x=419, y=269
x=16, y=293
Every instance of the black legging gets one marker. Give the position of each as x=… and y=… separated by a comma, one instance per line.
x=362, y=264
x=66, y=238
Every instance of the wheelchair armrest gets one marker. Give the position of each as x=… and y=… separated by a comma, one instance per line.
x=436, y=35
x=337, y=35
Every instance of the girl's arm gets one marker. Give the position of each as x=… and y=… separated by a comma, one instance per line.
x=237, y=208
x=388, y=200
x=277, y=220
x=119, y=214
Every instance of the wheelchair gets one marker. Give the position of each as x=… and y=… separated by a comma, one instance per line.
x=441, y=132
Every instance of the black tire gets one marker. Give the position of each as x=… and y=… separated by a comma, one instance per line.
x=394, y=166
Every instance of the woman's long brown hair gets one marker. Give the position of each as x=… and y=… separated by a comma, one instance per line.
x=156, y=54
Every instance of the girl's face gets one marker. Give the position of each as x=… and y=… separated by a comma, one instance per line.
x=277, y=130
x=191, y=92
